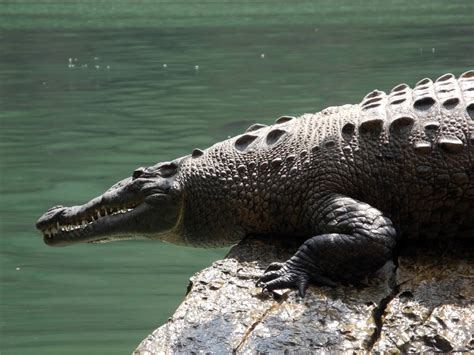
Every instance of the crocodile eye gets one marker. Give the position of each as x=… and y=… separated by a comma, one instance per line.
x=137, y=173
x=168, y=170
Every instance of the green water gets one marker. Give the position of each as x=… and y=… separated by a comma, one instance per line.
x=68, y=133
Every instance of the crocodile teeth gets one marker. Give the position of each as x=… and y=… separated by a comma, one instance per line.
x=52, y=230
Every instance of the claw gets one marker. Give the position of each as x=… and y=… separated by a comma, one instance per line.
x=303, y=286
x=269, y=276
x=270, y=273
x=274, y=266
x=278, y=283
x=281, y=275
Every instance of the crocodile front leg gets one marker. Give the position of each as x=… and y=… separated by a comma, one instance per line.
x=356, y=239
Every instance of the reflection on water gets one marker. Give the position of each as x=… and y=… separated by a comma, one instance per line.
x=83, y=106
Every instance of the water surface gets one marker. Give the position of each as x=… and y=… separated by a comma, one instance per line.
x=91, y=90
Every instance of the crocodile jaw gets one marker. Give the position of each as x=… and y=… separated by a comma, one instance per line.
x=92, y=222
x=144, y=206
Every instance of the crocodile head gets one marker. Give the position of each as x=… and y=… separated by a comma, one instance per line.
x=147, y=204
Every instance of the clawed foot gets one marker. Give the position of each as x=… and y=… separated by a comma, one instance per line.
x=284, y=275
x=327, y=258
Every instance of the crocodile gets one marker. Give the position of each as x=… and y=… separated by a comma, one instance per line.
x=352, y=182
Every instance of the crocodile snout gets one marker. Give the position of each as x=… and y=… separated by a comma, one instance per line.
x=49, y=216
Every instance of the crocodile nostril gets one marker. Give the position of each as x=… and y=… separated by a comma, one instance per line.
x=137, y=173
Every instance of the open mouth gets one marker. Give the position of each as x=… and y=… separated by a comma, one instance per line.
x=82, y=222
x=136, y=207
x=70, y=224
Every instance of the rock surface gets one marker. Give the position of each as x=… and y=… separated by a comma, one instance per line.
x=433, y=305
x=424, y=304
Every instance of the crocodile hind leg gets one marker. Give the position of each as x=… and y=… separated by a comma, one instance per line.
x=355, y=239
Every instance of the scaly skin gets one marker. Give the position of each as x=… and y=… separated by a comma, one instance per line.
x=352, y=180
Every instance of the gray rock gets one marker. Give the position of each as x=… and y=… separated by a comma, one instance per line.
x=423, y=305
x=433, y=308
